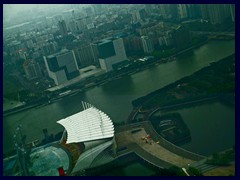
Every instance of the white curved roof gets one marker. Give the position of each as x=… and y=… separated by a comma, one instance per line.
x=90, y=124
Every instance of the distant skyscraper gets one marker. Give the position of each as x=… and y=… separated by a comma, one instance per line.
x=62, y=27
x=232, y=11
x=147, y=44
x=215, y=13
x=110, y=51
x=182, y=11
x=61, y=66
x=136, y=43
x=84, y=56
x=32, y=69
x=204, y=11
x=164, y=10
x=193, y=11
x=72, y=26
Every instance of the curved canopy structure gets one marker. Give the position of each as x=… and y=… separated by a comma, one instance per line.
x=87, y=125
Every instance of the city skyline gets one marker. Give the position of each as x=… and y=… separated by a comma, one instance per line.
x=99, y=89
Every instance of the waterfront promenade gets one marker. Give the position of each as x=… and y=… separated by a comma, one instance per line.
x=158, y=151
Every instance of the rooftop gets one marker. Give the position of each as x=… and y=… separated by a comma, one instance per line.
x=47, y=160
x=90, y=124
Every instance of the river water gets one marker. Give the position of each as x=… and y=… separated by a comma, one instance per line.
x=115, y=97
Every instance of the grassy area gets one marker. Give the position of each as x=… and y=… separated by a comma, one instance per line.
x=222, y=171
x=215, y=80
x=10, y=88
x=222, y=159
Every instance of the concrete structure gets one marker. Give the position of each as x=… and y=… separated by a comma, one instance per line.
x=217, y=13
x=157, y=151
x=94, y=130
x=147, y=44
x=181, y=37
x=61, y=66
x=84, y=56
x=88, y=141
x=110, y=51
x=62, y=27
x=182, y=11
x=32, y=69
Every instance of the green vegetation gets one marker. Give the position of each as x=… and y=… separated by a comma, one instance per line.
x=194, y=171
x=222, y=159
x=216, y=80
x=10, y=88
x=176, y=171
x=119, y=123
x=197, y=40
x=164, y=53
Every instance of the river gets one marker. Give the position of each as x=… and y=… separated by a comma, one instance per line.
x=115, y=97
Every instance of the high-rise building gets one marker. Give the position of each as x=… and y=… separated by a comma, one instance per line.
x=182, y=11
x=61, y=66
x=164, y=10
x=62, y=27
x=181, y=37
x=72, y=26
x=32, y=69
x=232, y=12
x=147, y=44
x=110, y=51
x=84, y=56
x=216, y=13
x=193, y=11
x=136, y=43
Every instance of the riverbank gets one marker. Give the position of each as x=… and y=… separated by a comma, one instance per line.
x=114, y=97
x=217, y=79
x=132, y=68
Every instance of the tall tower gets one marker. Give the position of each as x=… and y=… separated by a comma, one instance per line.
x=232, y=11
x=147, y=44
x=182, y=11
x=62, y=27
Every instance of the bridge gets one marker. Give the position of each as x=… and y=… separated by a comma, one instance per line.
x=160, y=152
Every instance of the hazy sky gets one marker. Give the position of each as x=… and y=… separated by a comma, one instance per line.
x=10, y=8
x=13, y=9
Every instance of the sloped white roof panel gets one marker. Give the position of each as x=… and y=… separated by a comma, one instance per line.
x=90, y=124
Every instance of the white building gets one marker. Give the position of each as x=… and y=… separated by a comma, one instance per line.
x=88, y=141
x=147, y=44
x=61, y=66
x=111, y=51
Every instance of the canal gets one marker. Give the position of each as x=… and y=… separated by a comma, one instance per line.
x=115, y=97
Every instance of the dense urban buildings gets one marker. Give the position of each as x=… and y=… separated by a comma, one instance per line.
x=141, y=64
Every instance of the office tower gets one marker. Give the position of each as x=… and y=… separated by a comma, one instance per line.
x=62, y=27
x=232, y=12
x=182, y=11
x=84, y=56
x=61, y=66
x=32, y=69
x=110, y=51
x=216, y=13
x=147, y=44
